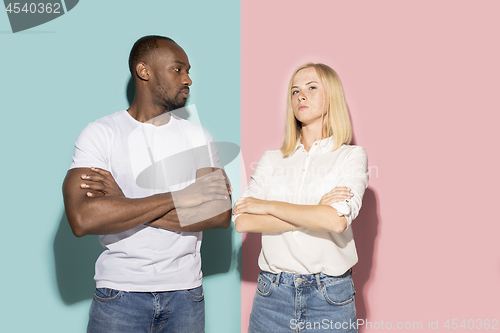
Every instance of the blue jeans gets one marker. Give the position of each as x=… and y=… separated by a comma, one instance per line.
x=115, y=311
x=288, y=302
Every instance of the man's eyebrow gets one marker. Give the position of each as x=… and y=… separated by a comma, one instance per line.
x=182, y=63
x=306, y=84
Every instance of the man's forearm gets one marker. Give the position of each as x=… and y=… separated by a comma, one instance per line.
x=105, y=215
x=101, y=215
x=194, y=217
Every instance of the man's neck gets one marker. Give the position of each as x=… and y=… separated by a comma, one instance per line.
x=147, y=113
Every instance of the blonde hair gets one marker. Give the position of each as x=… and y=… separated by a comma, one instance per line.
x=337, y=124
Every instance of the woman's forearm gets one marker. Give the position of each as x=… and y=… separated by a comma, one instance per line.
x=321, y=217
x=262, y=223
x=316, y=217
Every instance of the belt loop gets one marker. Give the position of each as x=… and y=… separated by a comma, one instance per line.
x=317, y=280
x=277, y=281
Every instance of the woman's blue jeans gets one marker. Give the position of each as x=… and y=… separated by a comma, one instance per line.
x=288, y=302
x=115, y=311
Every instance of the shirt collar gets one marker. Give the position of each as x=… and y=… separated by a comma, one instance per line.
x=325, y=145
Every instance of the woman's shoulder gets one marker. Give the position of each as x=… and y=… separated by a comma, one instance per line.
x=352, y=148
x=273, y=153
x=271, y=156
x=352, y=152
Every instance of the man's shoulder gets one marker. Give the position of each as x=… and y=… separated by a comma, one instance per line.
x=106, y=123
x=191, y=127
x=184, y=122
x=101, y=129
x=112, y=119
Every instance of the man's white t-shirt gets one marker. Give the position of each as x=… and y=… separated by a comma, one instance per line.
x=146, y=159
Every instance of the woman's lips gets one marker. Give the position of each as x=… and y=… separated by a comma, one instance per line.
x=302, y=107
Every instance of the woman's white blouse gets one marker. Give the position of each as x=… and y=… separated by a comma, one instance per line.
x=303, y=178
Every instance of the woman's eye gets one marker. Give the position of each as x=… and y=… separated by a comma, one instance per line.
x=295, y=92
x=312, y=87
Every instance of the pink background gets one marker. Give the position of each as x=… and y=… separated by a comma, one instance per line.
x=421, y=81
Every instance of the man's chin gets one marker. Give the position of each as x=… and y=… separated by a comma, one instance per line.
x=177, y=105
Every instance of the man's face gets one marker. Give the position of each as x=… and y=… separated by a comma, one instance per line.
x=170, y=73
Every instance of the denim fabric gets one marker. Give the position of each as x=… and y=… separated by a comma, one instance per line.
x=115, y=311
x=288, y=302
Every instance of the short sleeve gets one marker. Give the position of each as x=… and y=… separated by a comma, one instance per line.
x=211, y=158
x=256, y=186
x=354, y=175
x=204, y=149
x=92, y=148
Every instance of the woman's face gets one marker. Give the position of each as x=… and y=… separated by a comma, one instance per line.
x=308, y=96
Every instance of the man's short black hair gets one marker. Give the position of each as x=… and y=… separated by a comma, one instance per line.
x=143, y=48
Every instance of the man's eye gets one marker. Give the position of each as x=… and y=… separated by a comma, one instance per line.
x=177, y=69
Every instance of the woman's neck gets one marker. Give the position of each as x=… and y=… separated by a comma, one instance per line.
x=310, y=134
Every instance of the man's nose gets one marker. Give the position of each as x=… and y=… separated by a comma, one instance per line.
x=186, y=80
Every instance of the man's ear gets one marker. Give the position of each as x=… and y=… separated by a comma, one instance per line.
x=141, y=70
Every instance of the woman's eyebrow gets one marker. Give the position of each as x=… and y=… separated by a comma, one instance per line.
x=305, y=84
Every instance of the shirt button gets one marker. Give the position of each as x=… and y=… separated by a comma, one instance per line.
x=304, y=170
x=316, y=144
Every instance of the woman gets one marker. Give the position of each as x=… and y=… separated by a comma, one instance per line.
x=307, y=243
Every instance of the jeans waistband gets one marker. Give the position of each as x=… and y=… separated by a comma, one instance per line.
x=303, y=280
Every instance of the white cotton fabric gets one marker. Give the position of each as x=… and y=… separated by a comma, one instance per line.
x=147, y=259
x=303, y=178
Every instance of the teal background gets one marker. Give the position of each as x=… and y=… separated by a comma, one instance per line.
x=55, y=79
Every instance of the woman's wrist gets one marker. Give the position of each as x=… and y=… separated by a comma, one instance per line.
x=273, y=208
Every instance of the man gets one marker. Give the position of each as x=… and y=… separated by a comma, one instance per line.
x=132, y=181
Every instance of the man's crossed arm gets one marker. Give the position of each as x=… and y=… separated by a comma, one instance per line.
x=95, y=204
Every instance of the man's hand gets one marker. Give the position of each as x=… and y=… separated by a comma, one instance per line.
x=210, y=213
x=100, y=183
x=207, y=188
x=336, y=195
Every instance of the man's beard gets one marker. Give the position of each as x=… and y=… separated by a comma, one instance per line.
x=177, y=103
x=171, y=103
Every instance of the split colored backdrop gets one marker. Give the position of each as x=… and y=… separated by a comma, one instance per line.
x=421, y=84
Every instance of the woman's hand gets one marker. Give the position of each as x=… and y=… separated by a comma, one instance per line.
x=338, y=194
x=251, y=206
